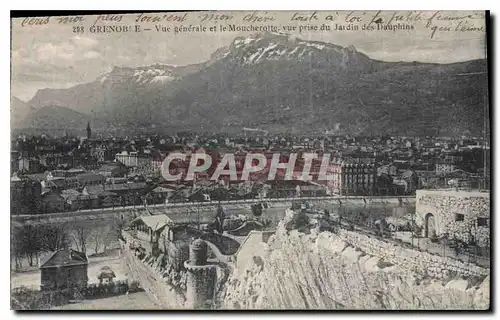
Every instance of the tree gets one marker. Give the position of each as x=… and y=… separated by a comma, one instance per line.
x=257, y=209
x=95, y=238
x=219, y=194
x=80, y=235
x=384, y=228
x=326, y=214
x=31, y=236
x=101, y=239
x=106, y=241
x=301, y=221
x=17, y=247
x=118, y=226
x=54, y=237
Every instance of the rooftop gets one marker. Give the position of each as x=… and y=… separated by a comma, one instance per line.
x=155, y=222
x=65, y=257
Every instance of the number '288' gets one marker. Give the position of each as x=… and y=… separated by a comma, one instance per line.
x=78, y=29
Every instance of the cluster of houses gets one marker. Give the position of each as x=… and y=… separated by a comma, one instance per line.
x=68, y=173
x=89, y=190
x=112, y=185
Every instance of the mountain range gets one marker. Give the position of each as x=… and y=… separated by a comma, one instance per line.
x=277, y=83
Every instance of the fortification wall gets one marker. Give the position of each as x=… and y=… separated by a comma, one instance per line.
x=457, y=213
x=420, y=262
x=151, y=279
x=166, y=286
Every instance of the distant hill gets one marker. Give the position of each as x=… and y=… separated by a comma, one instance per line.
x=18, y=111
x=56, y=118
x=283, y=84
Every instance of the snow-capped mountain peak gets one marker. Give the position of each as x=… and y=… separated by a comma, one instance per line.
x=157, y=73
x=267, y=46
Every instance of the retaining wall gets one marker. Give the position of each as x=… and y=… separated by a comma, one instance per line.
x=211, y=205
x=420, y=262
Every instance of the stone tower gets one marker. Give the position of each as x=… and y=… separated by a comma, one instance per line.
x=89, y=131
x=201, y=277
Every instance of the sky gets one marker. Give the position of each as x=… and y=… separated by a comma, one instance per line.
x=53, y=56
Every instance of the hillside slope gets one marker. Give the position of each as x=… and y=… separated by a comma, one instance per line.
x=53, y=117
x=18, y=111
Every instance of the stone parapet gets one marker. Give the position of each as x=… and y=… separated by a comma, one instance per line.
x=420, y=262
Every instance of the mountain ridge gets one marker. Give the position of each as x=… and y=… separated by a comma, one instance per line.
x=251, y=81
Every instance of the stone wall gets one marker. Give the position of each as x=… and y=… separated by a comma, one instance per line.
x=447, y=208
x=152, y=280
x=419, y=262
x=201, y=285
x=165, y=286
x=180, y=208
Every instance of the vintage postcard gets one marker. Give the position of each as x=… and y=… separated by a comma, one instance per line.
x=319, y=160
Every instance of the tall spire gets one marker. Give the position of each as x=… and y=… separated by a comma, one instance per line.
x=89, y=131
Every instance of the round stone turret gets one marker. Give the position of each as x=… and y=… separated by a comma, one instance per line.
x=198, y=252
x=201, y=277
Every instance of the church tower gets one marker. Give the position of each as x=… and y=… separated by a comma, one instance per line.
x=89, y=131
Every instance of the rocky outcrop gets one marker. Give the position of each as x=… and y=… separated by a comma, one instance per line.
x=323, y=271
